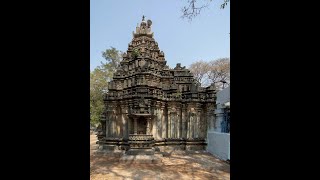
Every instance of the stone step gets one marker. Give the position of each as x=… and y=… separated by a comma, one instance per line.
x=143, y=159
x=94, y=147
x=140, y=152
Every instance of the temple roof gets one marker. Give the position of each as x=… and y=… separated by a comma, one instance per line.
x=143, y=73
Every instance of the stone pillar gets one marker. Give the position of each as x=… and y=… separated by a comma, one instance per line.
x=158, y=120
x=172, y=121
x=164, y=118
x=124, y=122
x=135, y=125
x=113, y=126
x=154, y=120
x=195, y=122
x=130, y=121
x=118, y=122
x=148, y=126
x=154, y=126
x=198, y=125
x=192, y=122
x=210, y=117
x=189, y=125
x=178, y=123
x=174, y=125
x=203, y=130
x=129, y=124
x=107, y=124
x=184, y=122
x=169, y=124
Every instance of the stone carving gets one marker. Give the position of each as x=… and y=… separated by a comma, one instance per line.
x=143, y=102
x=178, y=67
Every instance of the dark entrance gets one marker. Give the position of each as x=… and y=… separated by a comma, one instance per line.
x=142, y=126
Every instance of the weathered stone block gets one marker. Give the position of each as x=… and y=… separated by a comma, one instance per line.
x=140, y=152
x=140, y=159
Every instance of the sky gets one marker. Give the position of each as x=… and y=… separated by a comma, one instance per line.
x=206, y=37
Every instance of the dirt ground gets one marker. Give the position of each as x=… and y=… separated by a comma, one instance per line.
x=191, y=166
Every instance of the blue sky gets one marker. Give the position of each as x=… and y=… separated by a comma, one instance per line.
x=204, y=38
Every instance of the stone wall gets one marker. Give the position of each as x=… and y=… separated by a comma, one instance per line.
x=223, y=97
x=219, y=144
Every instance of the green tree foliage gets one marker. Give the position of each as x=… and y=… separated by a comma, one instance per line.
x=113, y=58
x=135, y=53
x=99, y=79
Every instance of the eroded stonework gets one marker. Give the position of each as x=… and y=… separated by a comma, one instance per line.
x=150, y=105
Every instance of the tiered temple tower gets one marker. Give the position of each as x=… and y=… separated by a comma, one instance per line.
x=150, y=105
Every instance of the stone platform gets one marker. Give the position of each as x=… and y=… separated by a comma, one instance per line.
x=140, y=159
x=141, y=155
x=140, y=152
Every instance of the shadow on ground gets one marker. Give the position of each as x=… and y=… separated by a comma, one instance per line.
x=173, y=166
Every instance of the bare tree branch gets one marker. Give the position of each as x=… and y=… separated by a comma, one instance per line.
x=224, y=4
x=219, y=71
x=199, y=70
x=194, y=8
x=215, y=71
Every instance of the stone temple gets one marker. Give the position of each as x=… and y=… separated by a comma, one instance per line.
x=150, y=106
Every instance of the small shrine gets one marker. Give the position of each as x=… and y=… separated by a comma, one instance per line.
x=151, y=106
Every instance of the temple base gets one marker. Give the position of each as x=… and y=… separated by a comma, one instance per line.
x=145, y=144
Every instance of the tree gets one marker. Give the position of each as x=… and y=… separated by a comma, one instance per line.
x=99, y=79
x=199, y=70
x=193, y=8
x=215, y=71
x=98, y=85
x=113, y=58
x=219, y=72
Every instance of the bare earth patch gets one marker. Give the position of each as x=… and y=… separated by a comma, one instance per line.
x=190, y=166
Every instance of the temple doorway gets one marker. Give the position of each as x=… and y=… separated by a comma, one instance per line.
x=142, y=126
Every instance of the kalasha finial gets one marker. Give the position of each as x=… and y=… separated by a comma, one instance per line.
x=143, y=18
x=149, y=22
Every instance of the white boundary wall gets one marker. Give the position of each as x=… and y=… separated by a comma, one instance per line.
x=219, y=144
